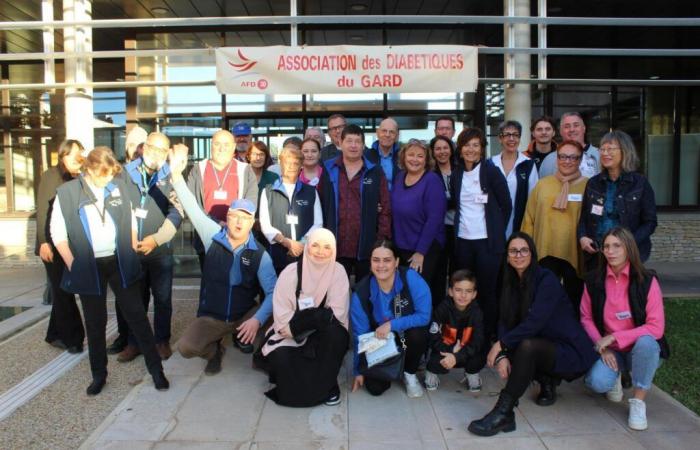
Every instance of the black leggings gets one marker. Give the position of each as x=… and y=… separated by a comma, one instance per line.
x=416, y=345
x=472, y=365
x=532, y=358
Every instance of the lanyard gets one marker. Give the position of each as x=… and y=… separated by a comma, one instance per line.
x=220, y=184
x=146, y=184
x=103, y=213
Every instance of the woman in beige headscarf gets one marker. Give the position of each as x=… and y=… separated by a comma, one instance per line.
x=310, y=331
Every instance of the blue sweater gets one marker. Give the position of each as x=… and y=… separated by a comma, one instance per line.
x=381, y=308
x=418, y=212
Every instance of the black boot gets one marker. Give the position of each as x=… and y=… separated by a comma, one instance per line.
x=501, y=418
x=96, y=386
x=548, y=392
x=160, y=382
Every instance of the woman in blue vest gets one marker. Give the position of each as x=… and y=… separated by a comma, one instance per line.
x=94, y=230
x=289, y=211
x=378, y=292
x=539, y=337
x=482, y=210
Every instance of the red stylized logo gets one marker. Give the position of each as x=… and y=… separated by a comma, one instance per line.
x=246, y=65
x=262, y=84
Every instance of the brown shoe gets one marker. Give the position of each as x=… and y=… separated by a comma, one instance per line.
x=164, y=350
x=129, y=353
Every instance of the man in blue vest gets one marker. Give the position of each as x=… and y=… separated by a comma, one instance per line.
x=236, y=267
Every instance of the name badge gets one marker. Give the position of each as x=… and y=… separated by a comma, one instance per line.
x=141, y=213
x=292, y=219
x=575, y=197
x=220, y=195
x=115, y=192
x=597, y=210
x=624, y=315
x=306, y=303
x=481, y=198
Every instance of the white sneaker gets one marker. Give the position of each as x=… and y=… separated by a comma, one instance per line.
x=615, y=394
x=432, y=381
x=473, y=382
x=413, y=387
x=637, y=419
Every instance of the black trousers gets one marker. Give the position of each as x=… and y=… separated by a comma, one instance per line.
x=65, y=322
x=573, y=285
x=531, y=360
x=443, y=267
x=430, y=263
x=129, y=301
x=486, y=265
x=359, y=267
x=416, y=345
x=473, y=365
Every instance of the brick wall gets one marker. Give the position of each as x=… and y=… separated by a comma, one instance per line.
x=677, y=238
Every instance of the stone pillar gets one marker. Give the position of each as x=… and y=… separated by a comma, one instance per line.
x=78, y=106
x=518, y=100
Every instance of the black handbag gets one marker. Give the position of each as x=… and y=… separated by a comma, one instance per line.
x=305, y=322
x=392, y=368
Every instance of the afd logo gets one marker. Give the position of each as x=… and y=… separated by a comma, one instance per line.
x=244, y=65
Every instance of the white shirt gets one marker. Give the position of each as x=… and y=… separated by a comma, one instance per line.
x=270, y=232
x=512, y=181
x=472, y=217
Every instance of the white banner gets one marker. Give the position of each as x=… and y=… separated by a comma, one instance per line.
x=346, y=69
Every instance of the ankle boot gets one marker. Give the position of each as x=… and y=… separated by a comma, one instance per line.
x=548, y=392
x=501, y=418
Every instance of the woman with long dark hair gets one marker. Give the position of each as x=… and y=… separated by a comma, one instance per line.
x=65, y=325
x=539, y=336
x=443, y=151
x=622, y=311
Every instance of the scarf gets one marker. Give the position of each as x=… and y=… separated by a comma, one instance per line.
x=316, y=278
x=562, y=200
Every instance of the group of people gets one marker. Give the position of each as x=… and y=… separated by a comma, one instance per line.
x=528, y=262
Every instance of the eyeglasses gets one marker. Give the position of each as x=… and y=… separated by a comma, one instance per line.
x=571, y=158
x=609, y=150
x=510, y=135
x=156, y=148
x=240, y=217
x=336, y=128
x=525, y=251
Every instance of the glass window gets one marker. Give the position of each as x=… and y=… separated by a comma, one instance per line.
x=689, y=189
x=659, y=143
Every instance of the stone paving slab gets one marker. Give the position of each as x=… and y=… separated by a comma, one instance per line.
x=229, y=410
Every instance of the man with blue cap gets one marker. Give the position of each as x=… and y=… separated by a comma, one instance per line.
x=236, y=267
x=244, y=138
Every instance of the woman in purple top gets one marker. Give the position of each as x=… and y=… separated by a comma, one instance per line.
x=418, y=205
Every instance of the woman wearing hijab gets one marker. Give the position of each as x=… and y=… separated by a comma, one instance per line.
x=309, y=335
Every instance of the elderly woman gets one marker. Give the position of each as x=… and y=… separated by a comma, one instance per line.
x=519, y=170
x=289, y=211
x=482, y=211
x=94, y=230
x=552, y=215
x=418, y=205
x=443, y=151
x=310, y=331
x=259, y=158
x=623, y=313
x=65, y=325
x=618, y=195
x=377, y=299
x=539, y=338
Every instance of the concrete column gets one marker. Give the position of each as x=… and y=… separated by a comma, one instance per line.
x=517, y=96
x=78, y=106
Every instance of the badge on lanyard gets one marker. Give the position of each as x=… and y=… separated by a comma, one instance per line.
x=141, y=213
x=220, y=194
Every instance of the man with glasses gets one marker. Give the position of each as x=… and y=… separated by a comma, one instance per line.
x=158, y=216
x=336, y=124
x=236, y=268
x=385, y=150
x=445, y=126
x=572, y=128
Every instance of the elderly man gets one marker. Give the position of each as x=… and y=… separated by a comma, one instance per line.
x=572, y=128
x=227, y=301
x=336, y=124
x=385, y=150
x=315, y=133
x=158, y=215
x=134, y=138
x=243, y=137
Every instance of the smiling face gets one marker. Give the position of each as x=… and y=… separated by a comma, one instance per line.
x=290, y=165
x=352, y=147
x=311, y=154
x=222, y=148
x=471, y=151
x=543, y=132
x=383, y=264
x=72, y=161
x=572, y=128
x=614, y=252
x=415, y=160
x=445, y=128
x=155, y=151
x=257, y=158
x=387, y=133
x=335, y=129
x=568, y=160
x=519, y=255
x=509, y=139
x=442, y=152
x=611, y=156
x=239, y=223
x=321, y=251
x=462, y=293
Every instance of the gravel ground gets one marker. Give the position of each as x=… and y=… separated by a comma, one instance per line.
x=62, y=416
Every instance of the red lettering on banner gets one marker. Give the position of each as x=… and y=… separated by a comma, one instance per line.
x=387, y=80
x=371, y=63
x=345, y=82
x=324, y=63
x=424, y=61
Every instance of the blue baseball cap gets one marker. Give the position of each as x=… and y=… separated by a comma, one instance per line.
x=244, y=205
x=241, y=129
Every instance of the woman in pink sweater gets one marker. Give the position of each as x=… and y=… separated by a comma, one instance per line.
x=622, y=311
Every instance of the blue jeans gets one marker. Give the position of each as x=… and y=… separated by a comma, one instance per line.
x=642, y=361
